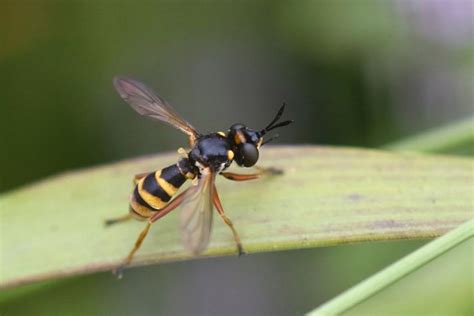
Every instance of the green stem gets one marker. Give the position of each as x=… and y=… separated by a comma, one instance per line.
x=396, y=271
x=457, y=134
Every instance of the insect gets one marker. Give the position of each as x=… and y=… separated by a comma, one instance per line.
x=210, y=155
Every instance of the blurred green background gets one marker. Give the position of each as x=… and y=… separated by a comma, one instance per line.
x=358, y=73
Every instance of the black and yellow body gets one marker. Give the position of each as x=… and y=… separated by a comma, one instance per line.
x=153, y=191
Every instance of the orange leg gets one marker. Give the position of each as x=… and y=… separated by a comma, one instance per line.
x=119, y=219
x=244, y=177
x=159, y=214
x=169, y=207
x=119, y=271
x=220, y=210
x=240, y=177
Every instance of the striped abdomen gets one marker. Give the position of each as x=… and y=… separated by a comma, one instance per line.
x=155, y=190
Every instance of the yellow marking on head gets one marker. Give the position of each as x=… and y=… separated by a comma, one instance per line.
x=165, y=185
x=230, y=154
x=260, y=141
x=222, y=134
x=239, y=138
x=152, y=200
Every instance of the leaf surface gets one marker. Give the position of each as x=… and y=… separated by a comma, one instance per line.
x=327, y=196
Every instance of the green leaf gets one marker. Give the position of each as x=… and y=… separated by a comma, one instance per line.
x=327, y=196
x=424, y=282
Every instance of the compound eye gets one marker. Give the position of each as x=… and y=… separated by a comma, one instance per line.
x=250, y=154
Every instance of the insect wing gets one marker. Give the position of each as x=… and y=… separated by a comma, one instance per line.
x=146, y=102
x=196, y=214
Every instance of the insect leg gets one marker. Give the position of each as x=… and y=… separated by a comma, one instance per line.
x=244, y=177
x=240, y=177
x=169, y=207
x=120, y=219
x=220, y=210
x=119, y=271
x=165, y=210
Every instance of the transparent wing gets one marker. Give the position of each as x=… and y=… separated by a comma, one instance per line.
x=196, y=214
x=146, y=102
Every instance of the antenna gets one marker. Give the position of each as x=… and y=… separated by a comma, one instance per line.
x=272, y=126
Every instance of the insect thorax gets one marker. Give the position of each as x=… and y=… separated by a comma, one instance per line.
x=211, y=151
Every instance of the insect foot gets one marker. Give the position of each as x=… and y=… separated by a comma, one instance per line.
x=118, y=272
x=241, y=250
